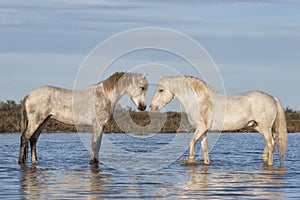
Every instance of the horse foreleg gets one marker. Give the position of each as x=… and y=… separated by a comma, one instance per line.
x=96, y=142
x=205, y=149
x=199, y=133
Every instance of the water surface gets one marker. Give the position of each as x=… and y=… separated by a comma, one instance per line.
x=236, y=170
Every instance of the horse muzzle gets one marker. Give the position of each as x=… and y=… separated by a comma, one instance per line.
x=153, y=108
x=142, y=107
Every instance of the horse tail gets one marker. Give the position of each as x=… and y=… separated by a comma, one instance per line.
x=24, y=124
x=281, y=130
x=24, y=120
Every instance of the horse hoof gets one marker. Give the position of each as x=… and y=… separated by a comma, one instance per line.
x=21, y=161
x=94, y=161
x=34, y=162
x=190, y=162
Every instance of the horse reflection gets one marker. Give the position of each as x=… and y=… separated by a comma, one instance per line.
x=39, y=183
x=217, y=183
x=34, y=181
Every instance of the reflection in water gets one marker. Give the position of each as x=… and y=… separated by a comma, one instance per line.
x=63, y=172
x=34, y=181
x=88, y=183
x=202, y=182
x=260, y=184
x=39, y=183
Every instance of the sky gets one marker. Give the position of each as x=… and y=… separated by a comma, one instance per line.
x=255, y=44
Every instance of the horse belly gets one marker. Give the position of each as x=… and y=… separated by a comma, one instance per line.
x=63, y=116
x=229, y=123
x=84, y=120
x=238, y=120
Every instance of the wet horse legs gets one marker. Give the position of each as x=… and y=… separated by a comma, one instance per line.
x=33, y=141
x=23, y=149
x=200, y=133
x=96, y=142
x=268, y=154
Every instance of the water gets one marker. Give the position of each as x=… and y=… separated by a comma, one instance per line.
x=63, y=172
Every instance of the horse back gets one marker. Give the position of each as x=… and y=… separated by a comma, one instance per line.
x=242, y=109
x=47, y=101
x=253, y=102
x=48, y=94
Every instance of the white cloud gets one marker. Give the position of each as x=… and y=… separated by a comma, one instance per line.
x=94, y=16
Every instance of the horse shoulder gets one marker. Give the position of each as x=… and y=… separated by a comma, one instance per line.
x=103, y=105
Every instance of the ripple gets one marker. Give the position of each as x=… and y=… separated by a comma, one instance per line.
x=236, y=171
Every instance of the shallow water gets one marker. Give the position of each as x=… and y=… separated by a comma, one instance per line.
x=236, y=169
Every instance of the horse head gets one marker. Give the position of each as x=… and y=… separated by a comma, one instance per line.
x=162, y=96
x=137, y=92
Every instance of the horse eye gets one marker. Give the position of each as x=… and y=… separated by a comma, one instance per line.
x=160, y=90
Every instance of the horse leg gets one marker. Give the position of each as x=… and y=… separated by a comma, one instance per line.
x=34, y=138
x=23, y=148
x=33, y=141
x=268, y=154
x=27, y=134
x=96, y=142
x=205, y=149
x=199, y=133
x=265, y=155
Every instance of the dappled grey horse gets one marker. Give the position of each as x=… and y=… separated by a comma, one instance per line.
x=92, y=106
x=209, y=110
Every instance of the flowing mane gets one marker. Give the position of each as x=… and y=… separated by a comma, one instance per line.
x=110, y=83
x=189, y=83
x=121, y=80
x=198, y=85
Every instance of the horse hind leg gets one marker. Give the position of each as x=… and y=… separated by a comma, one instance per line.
x=265, y=155
x=23, y=149
x=34, y=138
x=268, y=153
x=31, y=133
x=270, y=146
x=26, y=135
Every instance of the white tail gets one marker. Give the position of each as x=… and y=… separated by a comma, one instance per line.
x=280, y=127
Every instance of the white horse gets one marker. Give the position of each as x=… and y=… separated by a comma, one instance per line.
x=92, y=106
x=209, y=110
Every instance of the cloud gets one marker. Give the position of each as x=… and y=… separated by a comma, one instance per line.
x=91, y=16
x=239, y=34
x=76, y=26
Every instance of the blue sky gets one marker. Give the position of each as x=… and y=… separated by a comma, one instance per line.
x=255, y=44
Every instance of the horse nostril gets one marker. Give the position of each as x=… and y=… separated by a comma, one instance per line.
x=153, y=108
x=142, y=107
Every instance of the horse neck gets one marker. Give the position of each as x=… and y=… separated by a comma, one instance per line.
x=187, y=99
x=193, y=98
x=184, y=94
x=123, y=86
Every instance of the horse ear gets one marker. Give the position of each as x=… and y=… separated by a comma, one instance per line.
x=144, y=75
